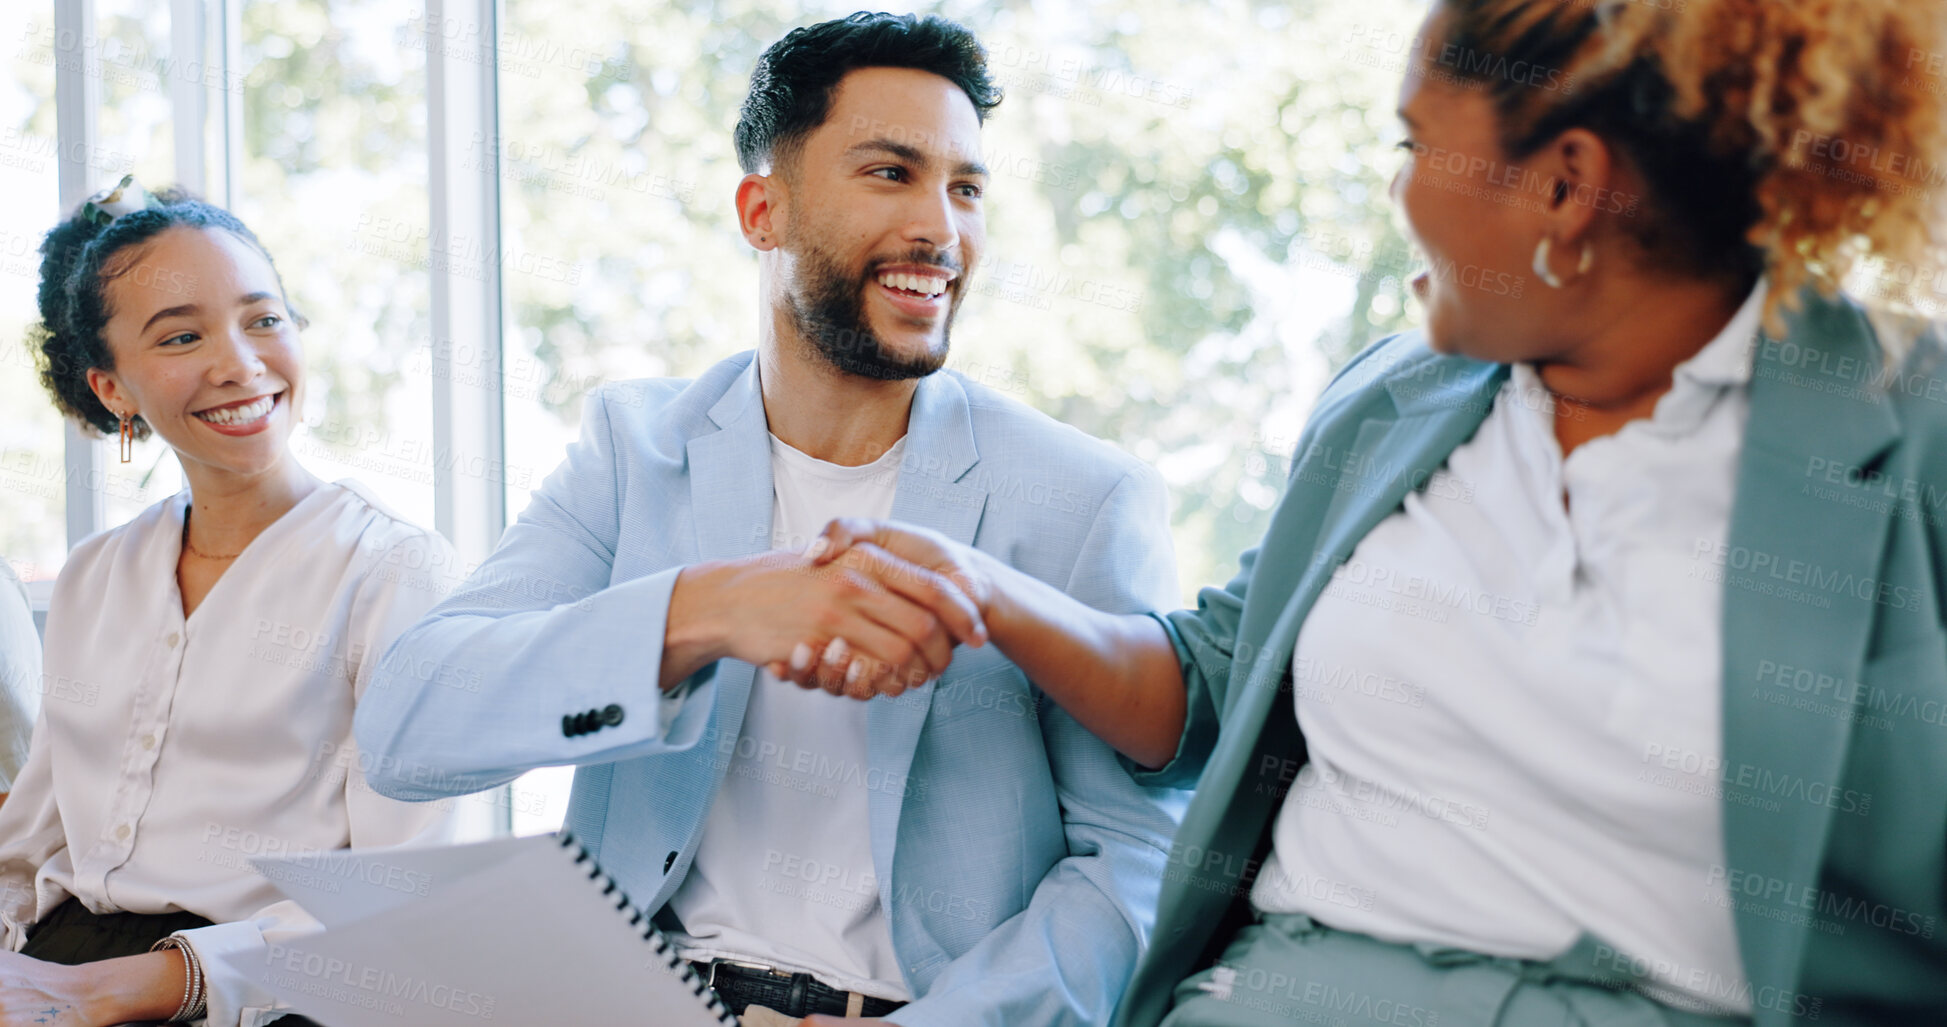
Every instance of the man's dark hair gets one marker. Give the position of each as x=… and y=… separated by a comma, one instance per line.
x=791, y=90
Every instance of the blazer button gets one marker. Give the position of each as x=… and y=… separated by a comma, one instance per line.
x=611, y=715
x=669, y=861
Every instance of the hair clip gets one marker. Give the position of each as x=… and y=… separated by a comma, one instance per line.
x=125, y=197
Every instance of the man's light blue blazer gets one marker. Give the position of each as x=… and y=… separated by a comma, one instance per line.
x=1017, y=858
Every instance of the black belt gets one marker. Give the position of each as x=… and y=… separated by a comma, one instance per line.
x=742, y=985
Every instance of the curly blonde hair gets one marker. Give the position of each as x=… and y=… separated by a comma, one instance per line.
x=1805, y=140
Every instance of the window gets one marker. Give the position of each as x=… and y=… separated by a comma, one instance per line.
x=134, y=126
x=333, y=180
x=32, y=501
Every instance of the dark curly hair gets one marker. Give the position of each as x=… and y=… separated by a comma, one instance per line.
x=792, y=87
x=78, y=260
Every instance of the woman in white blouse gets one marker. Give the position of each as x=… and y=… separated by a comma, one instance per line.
x=20, y=675
x=202, y=661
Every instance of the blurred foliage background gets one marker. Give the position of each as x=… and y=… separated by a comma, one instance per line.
x=1188, y=224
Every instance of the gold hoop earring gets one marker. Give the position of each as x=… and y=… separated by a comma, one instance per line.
x=128, y=438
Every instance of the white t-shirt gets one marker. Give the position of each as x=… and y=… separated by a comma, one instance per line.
x=784, y=873
x=1513, y=706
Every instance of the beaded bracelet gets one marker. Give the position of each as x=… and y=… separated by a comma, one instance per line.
x=194, y=1002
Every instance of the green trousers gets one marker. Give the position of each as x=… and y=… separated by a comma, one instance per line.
x=1290, y=969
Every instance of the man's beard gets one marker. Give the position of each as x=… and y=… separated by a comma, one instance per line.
x=829, y=313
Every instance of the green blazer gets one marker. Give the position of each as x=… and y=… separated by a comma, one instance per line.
x=1835, y=664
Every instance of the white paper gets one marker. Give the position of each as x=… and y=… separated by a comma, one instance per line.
x=505, y=932
x=345, y=885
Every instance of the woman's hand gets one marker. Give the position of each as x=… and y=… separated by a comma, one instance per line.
x=895, y=623
x=37, y=992
x=112, y=991
x=970, y=570
x=899, y=557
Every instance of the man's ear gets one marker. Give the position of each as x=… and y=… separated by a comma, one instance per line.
x=759, y=214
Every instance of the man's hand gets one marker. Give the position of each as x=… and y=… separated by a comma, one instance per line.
x=882, y=624
x=1117, y=675
x=820, y=1020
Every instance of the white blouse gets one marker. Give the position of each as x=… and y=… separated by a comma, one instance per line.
x=169, y=751
x=20, y=674
x=1512, y=704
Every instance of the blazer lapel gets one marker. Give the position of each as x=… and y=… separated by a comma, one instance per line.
x=1808, y=529
x=1394, y=450
x=939, y=452
x=730, y=500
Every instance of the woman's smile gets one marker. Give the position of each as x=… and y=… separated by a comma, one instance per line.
x=242, y=417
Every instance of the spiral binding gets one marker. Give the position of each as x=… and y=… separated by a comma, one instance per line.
x=664, y=950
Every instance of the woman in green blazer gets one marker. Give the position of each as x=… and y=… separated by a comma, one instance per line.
x=1594, y=666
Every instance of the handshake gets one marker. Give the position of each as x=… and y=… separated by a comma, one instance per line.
x=870, y=608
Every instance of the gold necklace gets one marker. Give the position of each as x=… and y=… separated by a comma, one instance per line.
x=193, y=551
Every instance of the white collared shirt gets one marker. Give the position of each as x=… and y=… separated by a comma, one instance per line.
x=1513, y=706
x=169, y=750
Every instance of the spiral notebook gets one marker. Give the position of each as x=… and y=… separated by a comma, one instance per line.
x=516, y=931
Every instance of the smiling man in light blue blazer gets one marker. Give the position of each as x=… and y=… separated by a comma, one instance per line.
x=964, y=853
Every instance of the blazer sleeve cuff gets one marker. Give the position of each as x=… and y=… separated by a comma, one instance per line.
x=1199, y=737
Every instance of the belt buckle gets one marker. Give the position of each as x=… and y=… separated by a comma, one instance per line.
x=741, y=965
